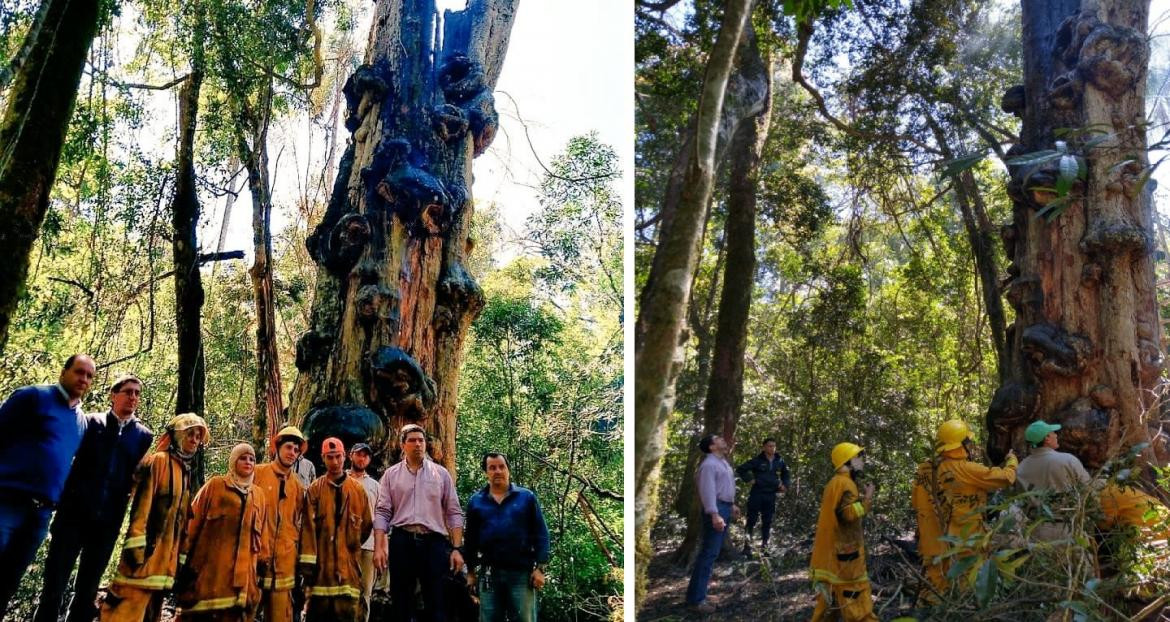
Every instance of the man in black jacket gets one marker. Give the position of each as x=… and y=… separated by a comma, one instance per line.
x=768, y=475
x=90, y=514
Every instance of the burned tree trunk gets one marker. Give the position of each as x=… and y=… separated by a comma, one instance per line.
x=394, y=300
x=724, y=402
x=1085, y=344
x=32, y=132
x=657, y=350
x=185, y=247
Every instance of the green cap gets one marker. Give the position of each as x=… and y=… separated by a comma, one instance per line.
x=1038, y=430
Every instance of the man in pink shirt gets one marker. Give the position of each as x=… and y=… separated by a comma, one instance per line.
x=418, y=505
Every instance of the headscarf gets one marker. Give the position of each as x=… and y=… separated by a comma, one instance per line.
x=242, y=484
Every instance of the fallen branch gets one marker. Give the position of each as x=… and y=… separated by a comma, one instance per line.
x=601, y=492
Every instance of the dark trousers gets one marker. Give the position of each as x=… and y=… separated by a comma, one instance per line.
x=421, y=559
x=71, y=536
x=22, y=528
x=762, y=506
x=708, y=551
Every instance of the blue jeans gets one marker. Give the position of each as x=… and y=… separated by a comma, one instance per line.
x=708, y=551
x=22, y=529
x=506, y=595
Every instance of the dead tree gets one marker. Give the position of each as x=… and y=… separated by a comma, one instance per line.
x=394, y=300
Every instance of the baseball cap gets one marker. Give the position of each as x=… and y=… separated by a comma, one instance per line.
x=331, y=445
x=1038, y=430
x=361, y=447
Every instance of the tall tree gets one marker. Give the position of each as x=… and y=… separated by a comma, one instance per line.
x=185, y=210
x=1086, y=343
x=394, y=300
x=724, y=402
x=664, y=298
x=32, y=132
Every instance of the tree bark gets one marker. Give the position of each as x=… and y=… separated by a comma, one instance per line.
x=185, y=248
x=268, y=399
x=724, y=402
x=659, y=335
x=32, y=133
x=1085, y=345
x=394, y=300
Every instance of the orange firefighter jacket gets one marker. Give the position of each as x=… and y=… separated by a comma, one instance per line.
x=161, y=500
x=838, y=554
x=927, y=503
x=284, y=512
x=222, y=547
x=964, y=486
x=337, y=521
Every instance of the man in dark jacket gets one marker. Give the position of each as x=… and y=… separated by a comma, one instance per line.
x=507, y=545
x=96, y=494
x=768, y=475
x=40, y=430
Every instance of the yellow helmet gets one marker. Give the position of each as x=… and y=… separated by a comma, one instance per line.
x=288, y=431
x=951, y=435
x=844, y=452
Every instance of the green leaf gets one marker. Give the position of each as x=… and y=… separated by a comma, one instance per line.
x=952, y=168
x=986, y=582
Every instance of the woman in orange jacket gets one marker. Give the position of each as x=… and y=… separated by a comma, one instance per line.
x=838, y=555
x=161, y=499
x=218, y=582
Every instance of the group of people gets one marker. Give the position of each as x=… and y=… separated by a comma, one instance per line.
x=949, y=494
x=265, y=541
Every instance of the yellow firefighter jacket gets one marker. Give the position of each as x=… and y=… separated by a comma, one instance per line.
x=162, y=498
x=337, y=521
x=838, y=554
x=284, y=512
x=964, y=486
x=222, y=547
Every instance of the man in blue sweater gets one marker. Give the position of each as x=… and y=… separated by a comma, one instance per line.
x=97, y=492
x=506, y=542
x=40, y=430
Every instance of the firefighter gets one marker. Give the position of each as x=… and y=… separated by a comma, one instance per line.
x=284, y=512
x=838, y=555
x=218, y=581
x=963, y=484
x=162, y=498
x=337, y=521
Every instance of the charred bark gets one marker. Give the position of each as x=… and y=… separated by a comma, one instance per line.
x=394, y=300
x=659, y=327
x=32, y=132
x=185, y=248
x=1086, y=343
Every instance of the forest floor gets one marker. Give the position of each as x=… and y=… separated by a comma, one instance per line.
x=768, y=588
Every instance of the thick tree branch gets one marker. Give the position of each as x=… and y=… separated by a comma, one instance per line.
x=598, y=490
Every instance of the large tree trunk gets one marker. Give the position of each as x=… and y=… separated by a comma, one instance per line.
x=32, y=132
x=1086, y=341
x=188, y=285
x=657, y=355
x=722, y=408
x=394, y=300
